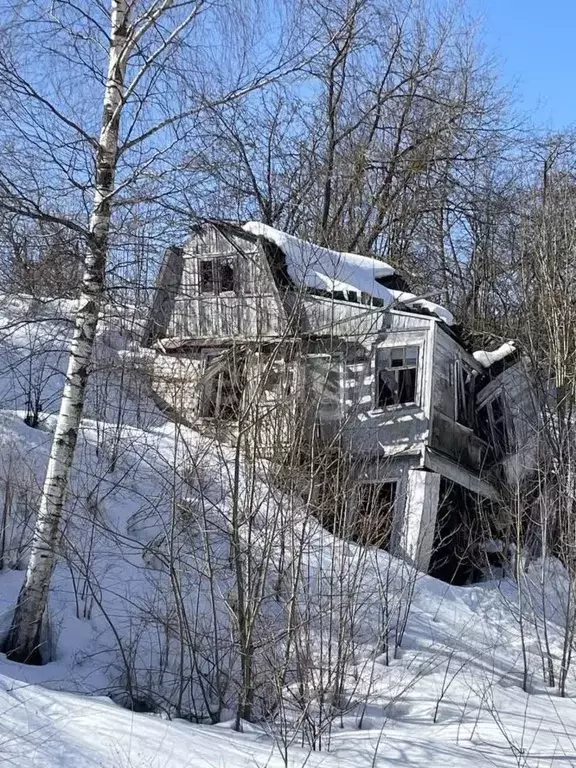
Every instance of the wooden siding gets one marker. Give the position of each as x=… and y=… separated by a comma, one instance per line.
x=517, y=392
x=229, y=317
x=324, y=316
x=395, y=429
x=252, y=310
x=327, y=317
x=167, y=287
x=448, y=436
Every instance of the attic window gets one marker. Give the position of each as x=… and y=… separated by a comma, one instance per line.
x=217, y=275
x=207, y=276
x=396, y=375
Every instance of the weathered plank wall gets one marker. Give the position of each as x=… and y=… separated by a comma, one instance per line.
x=394, y=429
x=251, y=310
x=329, y=317
x=167, y=288
x=448, y=436
x=520, y=399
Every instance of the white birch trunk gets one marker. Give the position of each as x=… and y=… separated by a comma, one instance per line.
x=23, y=641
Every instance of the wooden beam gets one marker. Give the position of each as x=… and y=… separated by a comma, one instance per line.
x=459, y=474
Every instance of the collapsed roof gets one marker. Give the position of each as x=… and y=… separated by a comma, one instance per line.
x=313, y=266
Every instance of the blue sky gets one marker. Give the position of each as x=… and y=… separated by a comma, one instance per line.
x=535, y=42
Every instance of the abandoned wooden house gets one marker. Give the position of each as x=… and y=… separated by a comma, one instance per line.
x=336, y=352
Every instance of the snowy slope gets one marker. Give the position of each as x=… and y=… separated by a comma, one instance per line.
x=451, y=695
x=43, y=727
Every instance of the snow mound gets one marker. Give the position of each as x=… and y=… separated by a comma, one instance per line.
x=487, y=359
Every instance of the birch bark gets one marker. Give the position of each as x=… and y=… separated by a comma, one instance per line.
x=24, y=639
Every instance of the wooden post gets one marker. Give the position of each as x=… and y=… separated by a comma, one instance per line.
x=419, y=521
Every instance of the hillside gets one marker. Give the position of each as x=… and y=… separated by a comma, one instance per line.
x=357, y=660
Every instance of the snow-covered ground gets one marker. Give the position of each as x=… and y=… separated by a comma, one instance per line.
x=451, y=695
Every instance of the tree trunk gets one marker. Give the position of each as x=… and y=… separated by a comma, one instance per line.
x=24, y=639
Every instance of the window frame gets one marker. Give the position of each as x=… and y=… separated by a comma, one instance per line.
x=217, y=266
x=390, y=368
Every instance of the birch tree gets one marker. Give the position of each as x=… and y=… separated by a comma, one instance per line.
x=142, y=61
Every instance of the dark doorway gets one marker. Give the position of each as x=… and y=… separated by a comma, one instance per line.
x=455, y=557
x=372, y=522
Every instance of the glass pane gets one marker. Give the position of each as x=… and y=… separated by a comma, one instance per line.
x=411, y=355
x=382, y=358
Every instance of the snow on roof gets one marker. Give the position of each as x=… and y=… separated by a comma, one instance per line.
x=489, y=358
x=316, y=267
x=410, y=299
x=321, y=268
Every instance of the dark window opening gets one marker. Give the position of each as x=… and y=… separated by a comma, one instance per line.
x=207, y=283
x=217, y=276
x=396, y=375
x=226, y=276
x=222, y=393
x=464, y=380
x=372, y=524
x=494, y=427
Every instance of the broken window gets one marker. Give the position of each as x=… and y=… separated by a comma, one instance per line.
x=217, y=275
x=464, y=380
x=223, y=385
x=494, y=427
x=207, y=282
x=226, y=276
x=396, y=375
x=375, y=514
